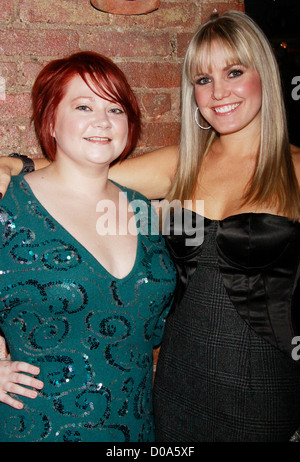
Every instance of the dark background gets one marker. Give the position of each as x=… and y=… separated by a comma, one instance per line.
x=280, y=20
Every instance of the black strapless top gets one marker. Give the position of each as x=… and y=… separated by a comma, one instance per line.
x=259, y=259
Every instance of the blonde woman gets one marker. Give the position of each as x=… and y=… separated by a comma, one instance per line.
x=227, y=368
x=227, y=371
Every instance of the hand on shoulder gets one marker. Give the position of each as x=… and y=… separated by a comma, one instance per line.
x=5, y=175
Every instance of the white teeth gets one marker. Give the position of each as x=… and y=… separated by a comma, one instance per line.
x=97, y=138
x=227, y=108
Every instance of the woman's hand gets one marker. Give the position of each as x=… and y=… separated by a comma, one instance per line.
x=5, y=175
x=11, y=166
x=13, y=374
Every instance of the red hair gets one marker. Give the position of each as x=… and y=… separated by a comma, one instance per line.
x=110, y=82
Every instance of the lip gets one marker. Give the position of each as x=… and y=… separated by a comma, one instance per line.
x=98, y=139
x=225, y=109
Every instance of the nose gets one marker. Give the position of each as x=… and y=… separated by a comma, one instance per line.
x=101, y=120
x=220, y=90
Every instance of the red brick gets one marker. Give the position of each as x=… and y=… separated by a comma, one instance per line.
x=176, y=14
x=154, y=106
x=130, y=44
x=169, y=15
x=19, y=137
x=6, y=10
x=9, y=72
x=30, y=72
x=159, y=134
x=38, y=42
x=15, y=106
x=29, y=142
x=10, y=138
x=182, y=42
x=62, y=12
x=152, y=75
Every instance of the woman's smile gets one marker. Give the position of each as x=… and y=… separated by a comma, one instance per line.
x=225, y=109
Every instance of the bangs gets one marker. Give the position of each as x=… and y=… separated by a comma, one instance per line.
x=102, y=87
x=202, y=60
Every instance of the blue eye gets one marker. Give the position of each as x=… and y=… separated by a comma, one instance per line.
x=235, y=73
x=82, y=107
x=203, y=81
x=117, y=110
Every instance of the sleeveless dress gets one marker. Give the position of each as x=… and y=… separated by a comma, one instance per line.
x=228, y=369
x=92, y=335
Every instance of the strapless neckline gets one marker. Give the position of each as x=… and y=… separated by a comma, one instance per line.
x=259, y=260
x=236, y=216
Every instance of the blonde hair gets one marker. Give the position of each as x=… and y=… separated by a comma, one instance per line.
x=274, y=181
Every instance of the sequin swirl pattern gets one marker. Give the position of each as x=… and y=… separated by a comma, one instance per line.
x=91, y=335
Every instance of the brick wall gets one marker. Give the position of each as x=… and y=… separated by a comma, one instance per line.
x=149, y=49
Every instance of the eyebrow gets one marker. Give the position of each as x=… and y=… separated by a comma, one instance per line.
x=232, y=65
x=226, y=68
x=90, y=98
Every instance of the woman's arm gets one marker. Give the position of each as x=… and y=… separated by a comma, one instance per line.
x=11, y=166
x=151, y=174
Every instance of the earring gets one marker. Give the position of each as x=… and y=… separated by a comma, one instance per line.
x=203, y=128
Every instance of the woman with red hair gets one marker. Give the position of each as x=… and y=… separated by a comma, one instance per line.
x=82, y=304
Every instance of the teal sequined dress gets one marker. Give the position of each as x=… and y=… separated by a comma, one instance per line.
x=92, y=335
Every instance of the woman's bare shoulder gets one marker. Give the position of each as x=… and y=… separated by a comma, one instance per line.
x=295, y=150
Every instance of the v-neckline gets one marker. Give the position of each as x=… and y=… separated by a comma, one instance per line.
x=79, y=244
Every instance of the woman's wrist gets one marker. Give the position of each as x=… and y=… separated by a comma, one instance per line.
x=11, y=166
x=27, y=162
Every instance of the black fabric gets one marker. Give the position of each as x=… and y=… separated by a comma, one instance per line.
x=259, y=258
x=225, y=371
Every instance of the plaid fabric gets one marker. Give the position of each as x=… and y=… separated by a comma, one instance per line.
x=217, y=379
